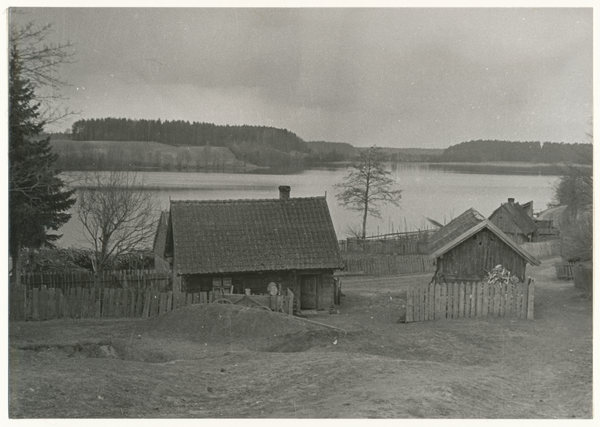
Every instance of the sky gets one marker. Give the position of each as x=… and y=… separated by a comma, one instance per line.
x=393, y=77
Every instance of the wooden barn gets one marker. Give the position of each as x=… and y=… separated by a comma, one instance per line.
x=470, y=246
x=238, y=245
x=515, y=221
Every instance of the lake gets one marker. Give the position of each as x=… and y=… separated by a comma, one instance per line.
x=427, y=192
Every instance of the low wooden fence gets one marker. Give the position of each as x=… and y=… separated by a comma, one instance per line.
x=52, y=303
x=398, y=244
x=476, y=299
x=388, y=265
x=564, y=270
x=125, y=279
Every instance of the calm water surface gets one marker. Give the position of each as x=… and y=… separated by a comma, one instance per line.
x=426, y=193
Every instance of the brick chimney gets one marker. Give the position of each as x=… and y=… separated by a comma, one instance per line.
x=284, y=192
x=511, y=200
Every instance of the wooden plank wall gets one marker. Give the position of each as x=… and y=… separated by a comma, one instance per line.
x=476, y=299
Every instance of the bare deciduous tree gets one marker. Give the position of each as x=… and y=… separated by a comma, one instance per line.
x=117, y=214
x=368, y=185
x=42, y=63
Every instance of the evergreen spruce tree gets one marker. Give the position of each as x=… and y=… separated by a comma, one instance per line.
x=38, y=201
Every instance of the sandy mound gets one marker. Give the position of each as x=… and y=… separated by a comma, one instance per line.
x=224, y=322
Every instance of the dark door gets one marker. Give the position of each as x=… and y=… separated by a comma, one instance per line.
x=308, y=292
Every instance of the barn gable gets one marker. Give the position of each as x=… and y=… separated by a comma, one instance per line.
x=514, y=220
x=470, y=245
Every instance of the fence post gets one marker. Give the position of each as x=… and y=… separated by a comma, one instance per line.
x=409, y=303
x=444, y=300
x=530, y=286
x=437, y=296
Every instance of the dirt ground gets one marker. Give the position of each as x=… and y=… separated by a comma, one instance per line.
x=227, y=362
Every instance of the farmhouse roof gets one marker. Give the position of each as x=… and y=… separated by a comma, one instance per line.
x=160, y=237
x=466, y=225
x=517, y=215
x=227, y=236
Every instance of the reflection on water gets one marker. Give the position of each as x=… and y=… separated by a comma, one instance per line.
x=427, y=192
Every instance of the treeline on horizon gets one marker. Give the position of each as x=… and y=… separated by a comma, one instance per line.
x=257, y=145
x=515, y=151
x=268, y=146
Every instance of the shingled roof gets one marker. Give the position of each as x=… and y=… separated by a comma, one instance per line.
x=228, y=236
x=517, y=215
x=466, y=225
x=455, y=228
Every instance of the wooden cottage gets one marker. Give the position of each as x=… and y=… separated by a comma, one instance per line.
x=549, y=223
x=515, y=221
x=160, y=263
x=239, y=245
x=470, y=246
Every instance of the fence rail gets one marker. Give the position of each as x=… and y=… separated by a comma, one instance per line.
x=389, y=265
x=459, y=300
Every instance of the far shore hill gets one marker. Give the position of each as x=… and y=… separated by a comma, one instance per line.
x=155, y=156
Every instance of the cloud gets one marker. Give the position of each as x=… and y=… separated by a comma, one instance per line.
x=386, y=76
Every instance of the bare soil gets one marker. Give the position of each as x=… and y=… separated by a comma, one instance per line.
x=221, y=361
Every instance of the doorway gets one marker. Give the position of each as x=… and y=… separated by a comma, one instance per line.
x=308, y=292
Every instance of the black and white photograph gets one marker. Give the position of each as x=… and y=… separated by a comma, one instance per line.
x=318, y=211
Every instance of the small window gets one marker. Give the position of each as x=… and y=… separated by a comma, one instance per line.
x=223, y=285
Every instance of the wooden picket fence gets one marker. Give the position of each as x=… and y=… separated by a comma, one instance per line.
x=51, y=303
x=388, y=265
x=476, y=299
x=129, y=279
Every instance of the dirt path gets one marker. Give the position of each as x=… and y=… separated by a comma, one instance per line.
x=465, y=368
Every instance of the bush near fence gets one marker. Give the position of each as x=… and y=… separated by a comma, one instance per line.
x=435, y=301
x=388, y=265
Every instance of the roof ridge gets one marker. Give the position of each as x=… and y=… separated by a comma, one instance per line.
x=246, y=200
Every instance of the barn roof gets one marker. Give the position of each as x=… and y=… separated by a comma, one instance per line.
x=454, y=228
x=160, y=237
x=517, y=215
x=228, y=236
x=466, y=225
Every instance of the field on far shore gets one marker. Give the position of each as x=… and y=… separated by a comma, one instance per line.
x=218, y=361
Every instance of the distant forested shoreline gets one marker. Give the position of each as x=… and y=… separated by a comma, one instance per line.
x=183, y=146
x=482, y=151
